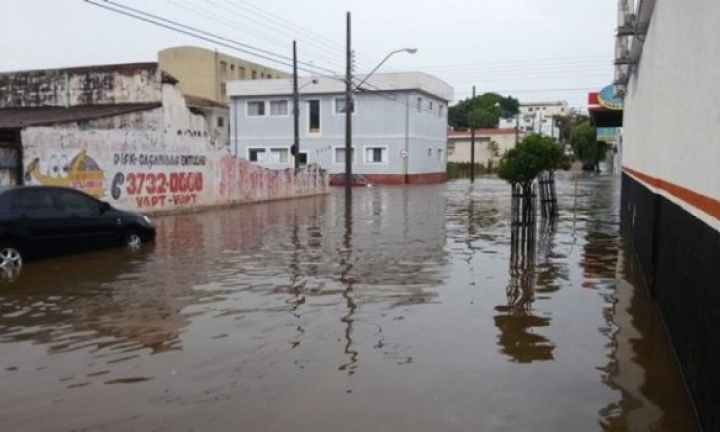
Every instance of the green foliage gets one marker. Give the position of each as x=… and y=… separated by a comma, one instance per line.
x=585, y=145
x=494, y=148
x=519, y=167
x=483, y=111
x=532, y=156
x=565, y=124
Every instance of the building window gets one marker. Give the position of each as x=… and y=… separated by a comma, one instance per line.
x=220, y=121
x=441, y=110
x=280, y=155
x=302, y=158
x=254, y=74
x=223, y=90
x=223, y=67
x=376, y=155
x=419, y=104
x=232, y=67
x=429, y=152
x=314, y=116
x=279, y=108
x=340, y=155
x=451, y=148
x=253, y=153
x=430, y=105
x=530, y=109
x=256, y=108
x=439, y=155
x=241, y=72
x=340, y=106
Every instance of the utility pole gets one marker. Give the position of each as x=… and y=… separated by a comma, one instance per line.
x=472, y=142
x=348, y=115
x=296, y=111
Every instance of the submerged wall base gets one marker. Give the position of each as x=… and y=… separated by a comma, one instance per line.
x=679, y=256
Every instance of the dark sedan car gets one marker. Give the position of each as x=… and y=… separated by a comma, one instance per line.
x=44, y=221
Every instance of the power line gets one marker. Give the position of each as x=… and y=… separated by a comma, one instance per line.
x=556, y=60
x=263, y=31
x=206, y=36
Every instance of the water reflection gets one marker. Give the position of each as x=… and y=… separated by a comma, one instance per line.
x=348, y=281
x=95, y=301
x=285, y=308
x=516, y=321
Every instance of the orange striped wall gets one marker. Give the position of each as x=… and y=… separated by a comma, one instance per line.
x=705, y=203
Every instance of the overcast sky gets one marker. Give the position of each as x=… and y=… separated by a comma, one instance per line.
x=531, y=49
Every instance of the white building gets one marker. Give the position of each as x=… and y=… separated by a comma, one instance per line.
x=537, y=117
x=399, y=125
x=668, y=55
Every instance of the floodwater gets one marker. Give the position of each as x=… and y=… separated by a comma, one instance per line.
x=407, y=312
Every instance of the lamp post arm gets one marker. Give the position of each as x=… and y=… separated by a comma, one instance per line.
x=407, y=50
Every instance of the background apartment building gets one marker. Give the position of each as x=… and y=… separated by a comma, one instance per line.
x=204, y=73
x=399, y=125
x=537, y=117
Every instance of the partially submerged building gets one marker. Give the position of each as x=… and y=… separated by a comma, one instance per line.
x=667, y=53
x=127, y=135
x=490, y=145
x=399, y=125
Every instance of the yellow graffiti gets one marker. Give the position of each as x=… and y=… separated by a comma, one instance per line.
x=81, y=173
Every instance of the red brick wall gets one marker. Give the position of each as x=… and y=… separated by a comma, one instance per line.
x=427, y=178
x=396, y=179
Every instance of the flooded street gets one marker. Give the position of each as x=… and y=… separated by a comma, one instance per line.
x=410, y=312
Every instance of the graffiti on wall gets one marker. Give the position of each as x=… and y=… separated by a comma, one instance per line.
x=154, y=172
x=74, y=169
x=179, y=180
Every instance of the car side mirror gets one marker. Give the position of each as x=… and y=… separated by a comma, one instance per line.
x=104, y=207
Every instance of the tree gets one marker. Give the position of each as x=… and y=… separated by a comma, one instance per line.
x=587, y=149
x=520, y=166
x=565, y=124
x=483, y=111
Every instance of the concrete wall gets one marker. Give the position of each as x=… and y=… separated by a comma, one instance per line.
x=459, y=148
x=160, y=160
x=671, y=107
x=112, y=84
x=671, y=185
x=391, y=121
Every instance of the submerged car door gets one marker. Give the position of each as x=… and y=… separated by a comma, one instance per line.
x=89, y=224
x=39, y=223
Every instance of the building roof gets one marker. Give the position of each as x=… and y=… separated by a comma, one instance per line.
x=119, y=67
x=36, y=116
x=201, y=102
x=465, y=133
x=544, y=103
x=400, y=81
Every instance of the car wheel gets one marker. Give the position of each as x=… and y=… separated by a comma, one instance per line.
x=133, y=241
x=11, y=261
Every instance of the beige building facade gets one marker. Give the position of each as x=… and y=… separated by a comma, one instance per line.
x=490, y=145
x=204, y=73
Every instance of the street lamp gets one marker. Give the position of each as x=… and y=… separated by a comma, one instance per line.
x=407, y=50
x=349, y=104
